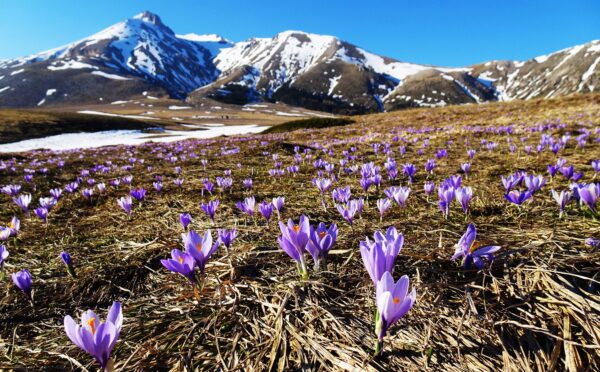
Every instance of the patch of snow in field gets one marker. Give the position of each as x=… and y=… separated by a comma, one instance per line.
x=50, y=92
x=41, y=102
x=70, y=141
x=3, y=89
x=17, y=72
x=175, y=107
x=119, y=102
x=281, y=113
x=70, y=64
x=1, y=77
x=89, y=112
x=110, y=76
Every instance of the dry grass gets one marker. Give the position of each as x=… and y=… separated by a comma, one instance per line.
x=536, y=308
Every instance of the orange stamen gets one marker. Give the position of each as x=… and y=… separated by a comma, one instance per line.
x=180, y=259
x=474, y=247
x=91, y=323
x=199, y=247
x=396, y=300
x=322, y=234
x=296, y=228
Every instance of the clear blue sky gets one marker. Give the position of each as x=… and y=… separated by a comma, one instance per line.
x=450, y=32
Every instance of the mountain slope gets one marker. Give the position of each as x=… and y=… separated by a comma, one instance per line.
x=141, y=56
x=136, y=55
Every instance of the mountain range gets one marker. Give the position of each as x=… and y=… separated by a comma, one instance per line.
x=142, y=57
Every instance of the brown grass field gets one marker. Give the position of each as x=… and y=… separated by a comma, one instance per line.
x=535, y=308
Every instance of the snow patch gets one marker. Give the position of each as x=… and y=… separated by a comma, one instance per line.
x=109, y=76
x=70, y=64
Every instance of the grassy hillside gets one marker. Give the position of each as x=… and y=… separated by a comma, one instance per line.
x=534, y=307
x=312, y=123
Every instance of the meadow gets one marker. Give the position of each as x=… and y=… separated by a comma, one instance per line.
x=524, y=174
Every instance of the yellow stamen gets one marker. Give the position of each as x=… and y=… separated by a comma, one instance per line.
x=396, y=300
x=296, y=228
x=91, y=323
x=180, y=259
x=11, y=225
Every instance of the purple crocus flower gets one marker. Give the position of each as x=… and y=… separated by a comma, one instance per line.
x=22, y=201
x=181, y=263
x=178, y=182
x=464, y=195
x=321, y=241
x=398, y=194
x=562, y=199
x=56, y=193
x=591, y=242
x=125, y=203
x=158, y=186
x=14, y=225
x=383, y=205
x=199, y=247
x=380, y=254
x=446, y=194
x=266, y=209
x=409, y=170
x=534, y=183
x=430, y=166
x=471, y=252
x=226, y=237
x=465, y=167
x=68, y=261
x=567, y=171
x=247, y=183
x=185, y=219
x=247, y=206
x=210, y=209
x=589, y=195
x=22, y=279
x=293, y=241
x=517, y=197
x=341, y=194
x=596, y=166
x=138, y=194
x=278, y=203
x=348, y=210
x=11, y=190
x=87, y=193
x=42, y=213
x=3, y=255
x=95, y=337
x=429, y=187
x=393, y=302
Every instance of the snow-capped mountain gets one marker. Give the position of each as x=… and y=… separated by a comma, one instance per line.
x=142, y=56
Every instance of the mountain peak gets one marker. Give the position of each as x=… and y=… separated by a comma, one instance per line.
x=149, y=17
